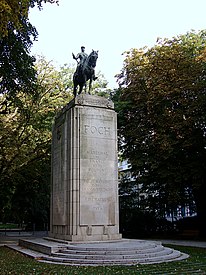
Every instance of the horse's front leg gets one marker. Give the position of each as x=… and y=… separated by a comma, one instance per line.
x=90, y=85
x=81, y=88
x=75, y=91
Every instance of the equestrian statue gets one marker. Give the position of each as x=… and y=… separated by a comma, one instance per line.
x=85, y=70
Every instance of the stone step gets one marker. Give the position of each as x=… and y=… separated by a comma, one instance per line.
x=110, y=251
x=102, y=256
x=114, y=246
x=174, y=255
x=124, y=252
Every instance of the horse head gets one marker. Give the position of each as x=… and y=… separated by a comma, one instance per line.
x=92, y=58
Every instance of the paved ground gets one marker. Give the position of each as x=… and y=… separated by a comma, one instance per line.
x=185, y=243
x=13, y=237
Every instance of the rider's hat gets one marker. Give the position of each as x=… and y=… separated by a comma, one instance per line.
x=82, y=47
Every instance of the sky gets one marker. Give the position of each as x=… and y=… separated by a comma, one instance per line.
x=112, y=27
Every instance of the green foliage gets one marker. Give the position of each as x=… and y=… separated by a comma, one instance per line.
x=8, y=226
x=162, y=120
x=99, y=86
x=30, y=201
x=25, y=144
x=12, y=11
x=29, y=99
x=17, y=71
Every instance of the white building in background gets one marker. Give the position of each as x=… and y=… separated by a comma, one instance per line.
x=124, y=170
x=188, y=210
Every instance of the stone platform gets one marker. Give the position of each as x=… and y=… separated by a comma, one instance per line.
x=119, y=252
x=84, y=192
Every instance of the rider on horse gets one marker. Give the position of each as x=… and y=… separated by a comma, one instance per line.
x=82, y=56
x=85, y=70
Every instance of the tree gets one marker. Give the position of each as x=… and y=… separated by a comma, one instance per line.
x=162, y=117
x=26, y=140
x=17, y=71
x=100, y=86
x=14, y=10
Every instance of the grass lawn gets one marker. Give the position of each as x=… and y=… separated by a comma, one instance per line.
x=8, y=226
x=12, y=262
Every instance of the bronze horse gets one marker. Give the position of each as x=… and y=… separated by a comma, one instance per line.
x=84, y=73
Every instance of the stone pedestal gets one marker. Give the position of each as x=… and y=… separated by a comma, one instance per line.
x=84, y=197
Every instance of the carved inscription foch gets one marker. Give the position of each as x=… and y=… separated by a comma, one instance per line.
x=97, y=168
